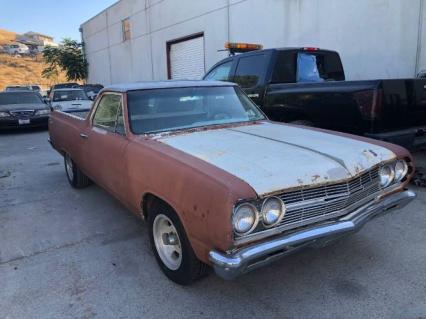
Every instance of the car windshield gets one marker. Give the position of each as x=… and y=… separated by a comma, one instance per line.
x=65, y=86
x=69, y=95
x=162, y=110
x=17, y=88
x=19, y=98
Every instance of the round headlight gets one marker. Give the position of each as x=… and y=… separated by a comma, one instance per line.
x=401, y=169
x=387, y=175
x=273, y=210
x=245, y=219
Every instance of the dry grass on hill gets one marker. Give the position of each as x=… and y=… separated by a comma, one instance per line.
x=22, y=70
x=6, y=36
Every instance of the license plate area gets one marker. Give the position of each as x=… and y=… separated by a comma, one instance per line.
x=23, y=121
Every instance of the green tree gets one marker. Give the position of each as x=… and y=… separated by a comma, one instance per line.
x=67, y=57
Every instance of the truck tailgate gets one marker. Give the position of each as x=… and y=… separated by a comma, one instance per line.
x=403, y=103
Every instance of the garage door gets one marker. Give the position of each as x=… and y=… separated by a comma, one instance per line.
x=186, y=59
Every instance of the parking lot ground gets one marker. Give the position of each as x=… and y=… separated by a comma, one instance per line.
x=68, y=253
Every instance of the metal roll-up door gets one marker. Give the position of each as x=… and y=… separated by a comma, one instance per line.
x=186, y=59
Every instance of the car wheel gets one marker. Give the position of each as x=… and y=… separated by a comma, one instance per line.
x=303, y=122
x=75, y=176
x=171, y=247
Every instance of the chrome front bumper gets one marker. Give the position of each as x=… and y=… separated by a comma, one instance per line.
x=243, y=260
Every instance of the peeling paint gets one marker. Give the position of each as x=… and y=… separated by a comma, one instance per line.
x=272, y=157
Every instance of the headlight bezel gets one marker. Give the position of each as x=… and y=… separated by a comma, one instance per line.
x=404, y=171
x=391, y=179
x=256, y=218
x=4, y=114
x=281, y=215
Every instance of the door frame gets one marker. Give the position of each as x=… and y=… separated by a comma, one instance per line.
x=179, y=40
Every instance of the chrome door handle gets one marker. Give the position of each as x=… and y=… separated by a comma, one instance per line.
x=82, y=135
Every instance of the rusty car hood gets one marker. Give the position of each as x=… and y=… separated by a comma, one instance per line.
x=272, y=157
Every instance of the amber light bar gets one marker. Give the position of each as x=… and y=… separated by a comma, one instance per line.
x=242, y=47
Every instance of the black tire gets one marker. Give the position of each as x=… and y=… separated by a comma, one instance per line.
x=190, y=268
x=75, y=176
x=303, y=122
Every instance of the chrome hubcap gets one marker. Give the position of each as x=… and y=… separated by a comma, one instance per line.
x=68, y=167
x=167, y=242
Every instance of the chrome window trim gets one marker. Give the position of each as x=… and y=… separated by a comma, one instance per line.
x=95, y=108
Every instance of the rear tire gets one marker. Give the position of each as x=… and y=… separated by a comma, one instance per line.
x=171, y=246
x=75, y=176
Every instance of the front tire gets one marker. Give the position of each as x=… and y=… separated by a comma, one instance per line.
x=75, y=176
x=171, y=247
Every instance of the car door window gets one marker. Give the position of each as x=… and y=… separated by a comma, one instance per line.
x=109, y=115
x=249, y=70
x=220, y=73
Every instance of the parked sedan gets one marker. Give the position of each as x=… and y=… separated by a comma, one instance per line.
x=221, y=185
x=70, y=100
x=22, y=109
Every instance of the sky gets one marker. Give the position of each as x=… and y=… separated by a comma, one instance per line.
x=60, y=18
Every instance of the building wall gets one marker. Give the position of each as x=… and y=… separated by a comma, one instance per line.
x=376, y=38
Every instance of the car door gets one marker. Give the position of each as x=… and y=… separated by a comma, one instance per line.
x=250, y=74
x=106, y=143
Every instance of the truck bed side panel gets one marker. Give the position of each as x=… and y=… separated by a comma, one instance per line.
x=330, y=105
x=404, y=104
x=64, y=131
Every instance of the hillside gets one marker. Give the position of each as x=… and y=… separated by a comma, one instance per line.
x=22, y=70
x=6, y=36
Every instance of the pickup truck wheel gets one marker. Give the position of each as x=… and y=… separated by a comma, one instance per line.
x=75, y=176
x=303, y=122
x=171, y=247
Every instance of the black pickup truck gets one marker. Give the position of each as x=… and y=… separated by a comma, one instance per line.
x=307, y=86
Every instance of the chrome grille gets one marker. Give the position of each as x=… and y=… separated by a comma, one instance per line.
x=22, y=113
x=307, y=206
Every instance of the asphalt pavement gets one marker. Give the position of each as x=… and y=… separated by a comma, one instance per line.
x=67, y=253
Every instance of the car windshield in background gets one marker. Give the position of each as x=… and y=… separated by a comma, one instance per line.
x=162, y=110
x=71, y=95
x=65, y=86
x=17, y=88
x=19, y=98
x=319, y=67
x=92, y=88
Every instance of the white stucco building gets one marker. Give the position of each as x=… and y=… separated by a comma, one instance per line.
x=135, y=40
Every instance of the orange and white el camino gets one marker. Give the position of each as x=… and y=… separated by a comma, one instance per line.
x=219, y=184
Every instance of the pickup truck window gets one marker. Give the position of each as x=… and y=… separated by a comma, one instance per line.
x=319, y=67
x=220, y=73
x=109, y=114
x=249, y=70
x=162, y=110
x=285, y=68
